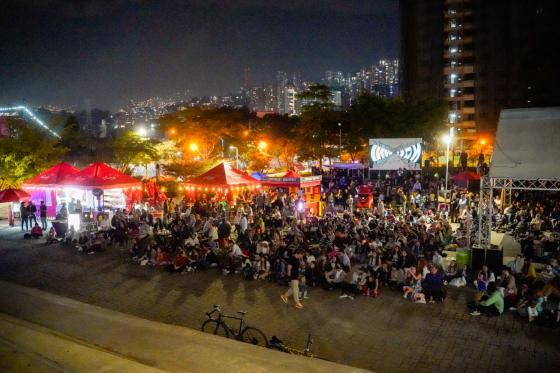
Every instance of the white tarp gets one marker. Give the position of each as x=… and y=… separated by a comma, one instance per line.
x=393, y=154
x=527, y=145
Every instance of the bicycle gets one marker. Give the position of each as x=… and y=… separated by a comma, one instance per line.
x=217, y=326
x=277, y=344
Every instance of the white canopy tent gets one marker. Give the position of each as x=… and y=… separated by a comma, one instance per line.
x=526, y=157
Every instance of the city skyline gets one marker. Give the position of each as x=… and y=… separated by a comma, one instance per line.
x=65, y=52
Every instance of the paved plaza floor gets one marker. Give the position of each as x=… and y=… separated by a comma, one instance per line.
x=387, y=334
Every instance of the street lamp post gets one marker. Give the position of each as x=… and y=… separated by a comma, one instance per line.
x=340, y=141
x=236, y=155
x=447, y=139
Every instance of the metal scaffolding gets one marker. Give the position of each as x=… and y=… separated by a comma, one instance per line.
x=485, y=206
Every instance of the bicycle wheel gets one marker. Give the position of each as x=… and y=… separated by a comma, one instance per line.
x=254, y=336
x=214, y=327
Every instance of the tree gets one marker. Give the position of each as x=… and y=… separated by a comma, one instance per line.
x=187, y=169
x=205, y=131
x=377, y=117
x=129, y=148
x=26, y=152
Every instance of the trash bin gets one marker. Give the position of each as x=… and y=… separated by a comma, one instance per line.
x=463, y=257
x=60, y=227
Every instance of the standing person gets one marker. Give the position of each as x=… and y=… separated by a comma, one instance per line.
x=43, y=215
x=78, y=208
x=31, y=210
x=293, y=274
x=23, y=216
x=72, y=206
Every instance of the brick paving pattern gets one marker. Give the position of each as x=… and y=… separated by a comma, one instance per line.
x=386, y=334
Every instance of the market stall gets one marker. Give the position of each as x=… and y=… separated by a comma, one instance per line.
x=222, y=182
x=46, y=186
x=307, y=188
x=100, y=186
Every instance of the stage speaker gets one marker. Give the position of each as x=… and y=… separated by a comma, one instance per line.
x=494, y=258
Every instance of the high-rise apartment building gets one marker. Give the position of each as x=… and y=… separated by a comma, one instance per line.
x=281, y=82
x=481, y=56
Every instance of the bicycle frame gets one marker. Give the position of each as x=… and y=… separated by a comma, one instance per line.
x=221, y=320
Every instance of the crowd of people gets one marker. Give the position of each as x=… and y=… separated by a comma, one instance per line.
x=398, y=245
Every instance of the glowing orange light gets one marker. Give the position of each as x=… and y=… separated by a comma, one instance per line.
x=263, y=145
x=172, y=131
x=482, y=142
x=193, y=147
x=246, y=133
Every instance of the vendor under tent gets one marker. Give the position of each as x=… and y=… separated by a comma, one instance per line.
x=13, y=196
x=223, y=181
x=307, y=188
x=43, y=187
x=101, y=186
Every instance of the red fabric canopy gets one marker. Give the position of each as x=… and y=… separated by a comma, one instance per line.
x=100, y=176
x=223, y=175
x=52, y=176
x=465, y=176
x=292, y=175
x=13, y=195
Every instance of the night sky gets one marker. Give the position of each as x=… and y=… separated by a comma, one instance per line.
x=67, y=51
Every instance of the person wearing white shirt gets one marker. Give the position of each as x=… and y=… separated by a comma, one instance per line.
x=243, y=223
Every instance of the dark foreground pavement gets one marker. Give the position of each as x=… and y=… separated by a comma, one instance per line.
x=386, y=334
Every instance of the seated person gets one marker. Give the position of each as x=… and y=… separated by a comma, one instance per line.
x=491, y=304
x=51, y=236
x=432, y=285
x=451, y=271
x=552, y=289
x=179, y=262
x=396, y=277
x=162, y=257
x=36, y=231
x=509, y=287
x=262, y=267
x=351, y=287
x=532, y=306
x=484, y=278
x=335, y=277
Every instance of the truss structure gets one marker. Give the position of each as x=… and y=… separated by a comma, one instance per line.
x=485, y=206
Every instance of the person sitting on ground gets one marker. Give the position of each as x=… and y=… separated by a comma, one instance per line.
x=350, y=288
x=509, y=287
x=51, y=236
x=412, y=283
x=262, y=268
x=396, y=281
x=491, y=304
x=532, y=306
x=335, y=277
x=371, y=286
x=485, y=277
x=179, y=262
x=451, y=271
x=36, y=231
x=432, y=285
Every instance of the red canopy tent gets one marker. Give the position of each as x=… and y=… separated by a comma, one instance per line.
x=51, y=177
x=13, y=195
x=100, y=176
x=463, y=178
x=44, y=186
x=223, y=176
